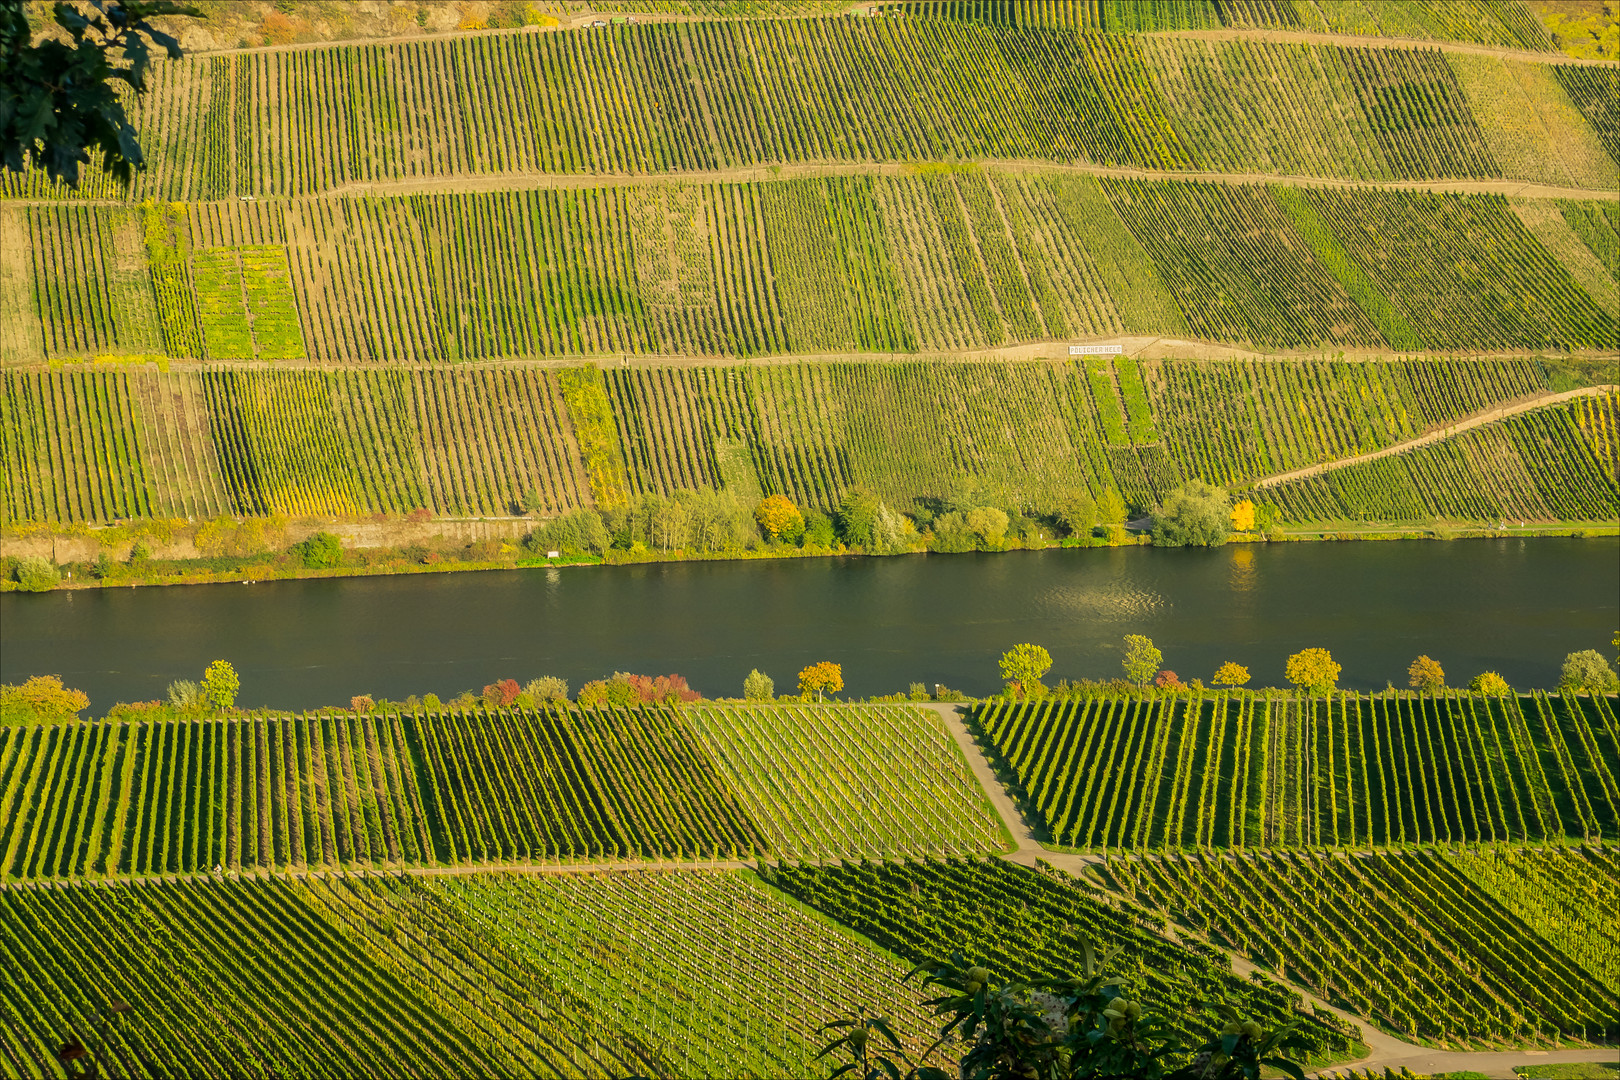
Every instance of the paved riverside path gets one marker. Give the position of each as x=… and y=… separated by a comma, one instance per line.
x=1385, y=1050
x=1445, y=431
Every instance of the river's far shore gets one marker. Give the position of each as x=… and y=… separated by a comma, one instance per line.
x=487, y=555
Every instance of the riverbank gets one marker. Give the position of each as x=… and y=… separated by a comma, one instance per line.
x=287, y=565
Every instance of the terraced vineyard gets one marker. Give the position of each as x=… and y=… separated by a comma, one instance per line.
x=887, y=780
x=1565, y=896
x=1024, y=925
x=1253, y=772
x=1550, y=464
x=118, y=799
x=1507, y=24
x=98, y=445
x=1233, y=422
x=480, y=975
x=701, y=96
x=956, y=257
x=1422, y=950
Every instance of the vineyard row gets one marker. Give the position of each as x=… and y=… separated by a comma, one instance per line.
x=950, y=259
x=122, y=799
x=101, y=445
x=1259, y=772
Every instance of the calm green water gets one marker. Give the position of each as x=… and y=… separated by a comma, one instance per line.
x=1514, y=606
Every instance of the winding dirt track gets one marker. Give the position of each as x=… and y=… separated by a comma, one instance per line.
x=1385, y=1050
x=523, y=181
x=1541, y=401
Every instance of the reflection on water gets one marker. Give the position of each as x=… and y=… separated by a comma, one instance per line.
x=1511, y=606
x=1243, y=567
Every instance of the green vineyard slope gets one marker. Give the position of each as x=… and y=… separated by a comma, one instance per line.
x=1549, y=464
x=1023, y=925
x=951, y=258
x=1422, y=951
x=484, y=975
x=1257, y=772
x=564, y=785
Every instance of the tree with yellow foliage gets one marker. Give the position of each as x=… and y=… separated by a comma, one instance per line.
x=1230, y=674
x=1313, y=670
x=1243, y=516
x=1427, y=675
x=823, y=678
x=779, y=519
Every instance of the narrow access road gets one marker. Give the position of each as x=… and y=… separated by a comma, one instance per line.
x=1385, y=1050
x=1541, y=401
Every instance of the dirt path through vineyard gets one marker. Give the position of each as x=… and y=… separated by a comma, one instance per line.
x=1446, y=431
x=1385, y=1050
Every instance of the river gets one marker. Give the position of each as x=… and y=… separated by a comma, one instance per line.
x=1515, y=606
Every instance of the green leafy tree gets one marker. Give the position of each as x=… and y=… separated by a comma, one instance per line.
x=989, y=524
x=546, y=688
x=321, y=551
x=1489, y=682
x=220, y=684
x=1195, y=515
x=37, y=574
x=1313, y=670
x=818, y=531
x=1022, y=667
x=1111, y=509
x=1078, y=514
x=1588, y=670
x=580, y=532
x=1142, y=660
x=758, y=686
x=1427, y=675
x=58, y=98
x=856, y=516
x=185, y=695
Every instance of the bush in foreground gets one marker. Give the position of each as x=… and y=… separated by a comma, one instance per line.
x=1588, y=670
x=41, y=700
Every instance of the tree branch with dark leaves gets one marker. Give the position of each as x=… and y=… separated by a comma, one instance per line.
x=59, y=99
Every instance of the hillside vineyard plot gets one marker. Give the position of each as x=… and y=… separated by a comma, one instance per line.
x=1566, y=896
x=120, y=799
x=1551, y=464
x=1507, y=23
x=1024, y=925
x=703, y=96
x=949, y=258
x=480, y=975
x=870, y=782
x=97, y=445
x=1423, y=952
x=1349, y=771
x=1230, y=422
